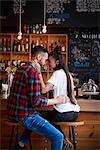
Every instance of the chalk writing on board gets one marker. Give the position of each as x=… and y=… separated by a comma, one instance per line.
x=55, y=10
x=88, y=5
x=84, y=53
x=96, y=48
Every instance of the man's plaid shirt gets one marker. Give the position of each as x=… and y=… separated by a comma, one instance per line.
x=25, y=93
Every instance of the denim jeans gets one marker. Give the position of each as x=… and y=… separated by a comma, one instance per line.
x=66, y=116
x=40, y=125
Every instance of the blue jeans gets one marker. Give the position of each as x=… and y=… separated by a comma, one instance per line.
x=40, y=125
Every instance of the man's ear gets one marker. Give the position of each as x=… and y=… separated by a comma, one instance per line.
x=38, y=57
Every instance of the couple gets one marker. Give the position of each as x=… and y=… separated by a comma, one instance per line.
x=25, y=96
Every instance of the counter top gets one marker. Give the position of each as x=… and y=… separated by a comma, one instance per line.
x=89, y=105
x=86, y=105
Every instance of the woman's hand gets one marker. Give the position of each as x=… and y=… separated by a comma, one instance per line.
x=38, y=67
x=73, y=100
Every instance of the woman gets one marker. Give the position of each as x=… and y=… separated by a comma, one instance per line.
x=61, y=82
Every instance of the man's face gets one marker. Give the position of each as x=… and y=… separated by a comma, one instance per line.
x=43, y=59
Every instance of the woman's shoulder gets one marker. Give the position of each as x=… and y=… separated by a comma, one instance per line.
x=59, y=71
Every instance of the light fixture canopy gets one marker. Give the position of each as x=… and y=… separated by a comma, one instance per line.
x=44, y=30
x=20, y=33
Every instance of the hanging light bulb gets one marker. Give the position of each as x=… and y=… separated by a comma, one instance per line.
x=19, y=33
x=44, y=30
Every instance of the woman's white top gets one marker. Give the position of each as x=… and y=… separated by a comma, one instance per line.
x=59, y=82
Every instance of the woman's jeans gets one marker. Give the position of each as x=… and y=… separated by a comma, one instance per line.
x=40, y=125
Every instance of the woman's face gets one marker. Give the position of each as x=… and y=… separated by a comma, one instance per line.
x=52, y=62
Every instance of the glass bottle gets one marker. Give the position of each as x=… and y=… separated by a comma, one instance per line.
x=26, y=45
x=8, y=44
x=23, y=46
x=14, y=46
x=4, y=45
x=19, y=46
x=1, y=45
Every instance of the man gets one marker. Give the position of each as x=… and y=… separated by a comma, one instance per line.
x=25, y=97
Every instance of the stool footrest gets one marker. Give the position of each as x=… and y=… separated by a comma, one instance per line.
x=76, y=123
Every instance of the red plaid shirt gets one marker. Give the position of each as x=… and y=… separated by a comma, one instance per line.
x=25, y=93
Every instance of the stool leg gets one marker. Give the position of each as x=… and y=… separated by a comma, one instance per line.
x=74, y=141
x=11, y=137
x=69, y=134
x=30, y=144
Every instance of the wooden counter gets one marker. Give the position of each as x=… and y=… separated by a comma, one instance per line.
x=86, y=105
x=88, y=135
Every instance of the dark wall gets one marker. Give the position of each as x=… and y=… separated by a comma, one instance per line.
x=33, y=13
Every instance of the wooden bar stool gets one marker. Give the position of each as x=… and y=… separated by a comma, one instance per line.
x=14, y=129
x=71, y=128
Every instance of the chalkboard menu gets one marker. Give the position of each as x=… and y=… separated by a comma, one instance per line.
x=84, y=52
x=59, y=13
x=88, y=5
x=69, y=13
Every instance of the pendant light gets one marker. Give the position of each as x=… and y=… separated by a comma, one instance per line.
x=44, y=30
x=20, y=33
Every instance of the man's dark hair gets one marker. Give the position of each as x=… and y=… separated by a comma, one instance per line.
x=38, y=49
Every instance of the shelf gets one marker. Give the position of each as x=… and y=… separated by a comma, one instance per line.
x=20, y=53
x=21, y=50
x=5, y=52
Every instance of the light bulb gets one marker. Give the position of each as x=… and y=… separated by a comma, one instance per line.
x=44, y=30
x=19, y=36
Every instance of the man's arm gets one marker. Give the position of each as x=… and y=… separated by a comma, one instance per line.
x=58, y=100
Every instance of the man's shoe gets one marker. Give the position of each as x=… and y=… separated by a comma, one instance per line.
x=17, y=147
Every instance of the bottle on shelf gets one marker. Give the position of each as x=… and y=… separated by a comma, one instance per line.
x=37, y=29
x=14, y=46
x=33, y=29
x=19, y=46
x=51, y=45
x=40, y=28
x=1, y=45
x=26, y=45
x=23, y=46
x=3, y=65
x=0, y=65
x=63, y=47
x=37, y=42
x=32, y=44
x=25, y=28
x=4, y=45
x=8, y=45
x=41, y=42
